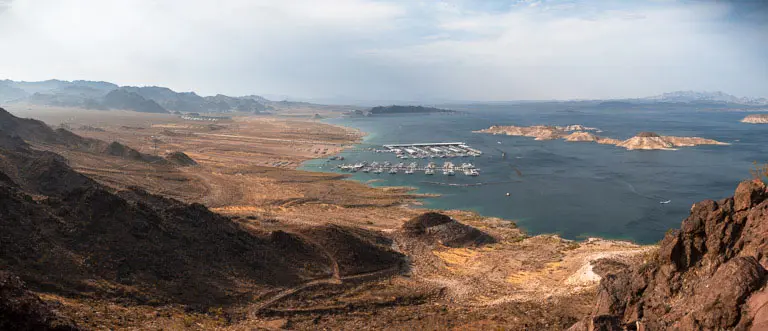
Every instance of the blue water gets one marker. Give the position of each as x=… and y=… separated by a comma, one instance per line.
x=573, y=189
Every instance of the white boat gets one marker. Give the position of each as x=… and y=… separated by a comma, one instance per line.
x=409, y=171
x=393, y=171
x=431, y=165
x=429, y=171
x=366, y=170
x=377, y=171
x=471, y=172
x=449, y=172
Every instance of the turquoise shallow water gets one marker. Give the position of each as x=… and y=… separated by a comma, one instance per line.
x=574, y=189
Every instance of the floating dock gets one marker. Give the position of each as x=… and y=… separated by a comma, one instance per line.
x=447, y=168
x=432, y=150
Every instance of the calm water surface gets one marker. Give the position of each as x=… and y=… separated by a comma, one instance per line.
x=574, y=189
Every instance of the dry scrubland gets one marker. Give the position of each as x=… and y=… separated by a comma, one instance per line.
x=477, y=273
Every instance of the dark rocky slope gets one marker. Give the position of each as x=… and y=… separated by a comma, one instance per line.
x=445, y=230
x=38, y=132
x=21, y=310
x=65, y=234
x=708, y=275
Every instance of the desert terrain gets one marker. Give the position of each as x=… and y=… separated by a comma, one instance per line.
x=456, y=269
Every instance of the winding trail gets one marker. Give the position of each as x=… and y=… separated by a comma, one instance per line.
x=335, y=279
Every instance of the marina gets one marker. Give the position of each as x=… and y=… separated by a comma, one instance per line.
x=448, y=168
x=415, y=152
x=431, y=150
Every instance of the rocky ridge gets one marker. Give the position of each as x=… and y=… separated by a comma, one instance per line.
x=708, y=275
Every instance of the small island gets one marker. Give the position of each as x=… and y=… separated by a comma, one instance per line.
x=398, y=110
x=756, y=119
x=579, y=133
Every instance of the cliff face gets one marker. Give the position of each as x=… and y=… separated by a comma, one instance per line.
x=708, y=275
x=756, y=119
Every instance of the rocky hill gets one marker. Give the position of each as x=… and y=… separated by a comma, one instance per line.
x=128, y=100
x=756, y=119
x=64, y=234
x=708, y=275
x=103, y=95
x=445, y=230
x=38, y=132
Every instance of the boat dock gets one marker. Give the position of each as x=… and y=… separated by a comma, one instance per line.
x=432, y=150
x=447, y=168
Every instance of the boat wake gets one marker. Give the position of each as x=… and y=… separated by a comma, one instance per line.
x=468, y=185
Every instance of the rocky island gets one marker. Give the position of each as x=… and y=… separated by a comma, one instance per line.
x=756, y=119
x=580, y=133
x=396, y=109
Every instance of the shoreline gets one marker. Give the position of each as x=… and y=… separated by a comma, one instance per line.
x=416, y=202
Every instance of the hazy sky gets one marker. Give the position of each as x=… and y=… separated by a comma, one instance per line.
x=405, y=50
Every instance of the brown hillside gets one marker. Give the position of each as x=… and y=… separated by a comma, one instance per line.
x=64, y=234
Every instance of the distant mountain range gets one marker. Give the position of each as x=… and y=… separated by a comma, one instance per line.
x=104, y=95
x=711, y=97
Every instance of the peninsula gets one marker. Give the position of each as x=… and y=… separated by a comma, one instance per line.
x=580, y=133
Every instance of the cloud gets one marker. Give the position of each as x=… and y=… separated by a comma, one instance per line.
x=365, y=49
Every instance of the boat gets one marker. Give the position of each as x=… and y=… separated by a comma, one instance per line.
x=449, y=172
x=431, y=165
x=393, y=171
x=366, y=170
x=472, y=172
x=429, y=171
x=665, y=202
x=377, y=171
x=409, y=171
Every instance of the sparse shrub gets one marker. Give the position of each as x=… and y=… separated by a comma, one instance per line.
x=759, y=172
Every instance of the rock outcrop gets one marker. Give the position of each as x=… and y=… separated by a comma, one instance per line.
x=445, y=230
x=708, y=275
x=180, y=159
x=579, y=133
x=756, y=119
x=22, y=310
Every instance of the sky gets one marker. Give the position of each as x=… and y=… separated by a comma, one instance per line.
x=435, y=50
